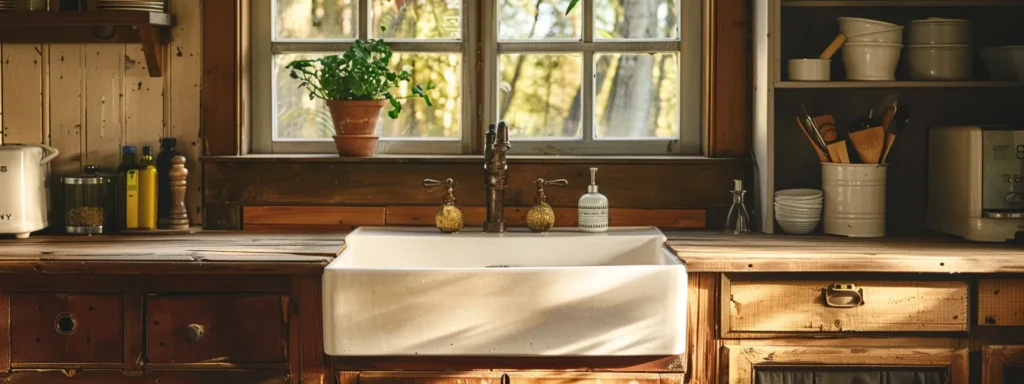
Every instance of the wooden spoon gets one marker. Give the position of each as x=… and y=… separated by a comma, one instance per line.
x=833, y=47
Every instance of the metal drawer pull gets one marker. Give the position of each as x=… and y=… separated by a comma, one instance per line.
x=843, y=296
x=65, y=324
x=195, y=332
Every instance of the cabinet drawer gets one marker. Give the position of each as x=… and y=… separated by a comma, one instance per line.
x=750, y=364
x=1001, y=302
x=236, y=328
x=758, y=305
x=58, y=328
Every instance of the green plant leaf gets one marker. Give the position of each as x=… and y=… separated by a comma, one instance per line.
x=572, y=4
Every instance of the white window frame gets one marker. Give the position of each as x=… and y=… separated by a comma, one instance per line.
x=687, y=47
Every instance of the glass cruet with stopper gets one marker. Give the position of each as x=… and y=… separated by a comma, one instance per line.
x=738, y=221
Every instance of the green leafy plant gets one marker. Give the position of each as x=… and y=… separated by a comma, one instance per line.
x=363, y=72
x=572, y=4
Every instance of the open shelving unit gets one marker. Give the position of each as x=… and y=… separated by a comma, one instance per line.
x=786, y=29
x=151, y=29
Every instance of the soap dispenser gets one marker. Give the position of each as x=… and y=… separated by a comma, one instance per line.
x=540, y=217
x=449, y=218
x=593, y=208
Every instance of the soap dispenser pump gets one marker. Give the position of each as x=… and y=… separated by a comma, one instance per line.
x=540, y=217
x=449, y=218
x=593, y=208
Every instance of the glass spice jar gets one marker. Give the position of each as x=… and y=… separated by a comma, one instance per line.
x=85, y=202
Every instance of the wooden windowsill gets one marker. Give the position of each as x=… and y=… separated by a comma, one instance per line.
x=461, y=159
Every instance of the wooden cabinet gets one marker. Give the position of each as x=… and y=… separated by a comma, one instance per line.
x=424, y=377
x=1002, y=364
x=510, y=377
x=66, y=328
x=237, y=328
x=593, y=378
x=753, y=306
x=170, y=377
x=1001, y=302
x=777, y=365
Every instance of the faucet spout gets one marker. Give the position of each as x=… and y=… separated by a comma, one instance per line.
x=496, y=176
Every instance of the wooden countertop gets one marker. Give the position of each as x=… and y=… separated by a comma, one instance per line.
x=204, y=252
x=271, y=253
x=718, y=252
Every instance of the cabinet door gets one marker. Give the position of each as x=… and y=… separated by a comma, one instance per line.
x=66, y=328
x=828, y=365
x=1002, y=364
x=592, y=378
x=413, y=377
x=163, y=377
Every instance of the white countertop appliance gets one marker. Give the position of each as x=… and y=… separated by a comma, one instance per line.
x=974, y=181
x=24, y=188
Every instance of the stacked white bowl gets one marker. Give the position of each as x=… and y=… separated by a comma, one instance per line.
x=798, y=211
x=940, y=49
x=872, y=48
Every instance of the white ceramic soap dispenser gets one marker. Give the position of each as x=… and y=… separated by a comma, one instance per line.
x=593, y=208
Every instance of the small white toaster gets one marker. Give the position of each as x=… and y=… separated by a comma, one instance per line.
x=24, y=188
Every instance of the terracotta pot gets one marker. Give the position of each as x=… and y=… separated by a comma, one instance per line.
x=355, y=117
x=356, y=145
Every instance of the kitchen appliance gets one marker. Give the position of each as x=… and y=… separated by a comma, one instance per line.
x=24, y=188
x=87, y=205
x=974, y=181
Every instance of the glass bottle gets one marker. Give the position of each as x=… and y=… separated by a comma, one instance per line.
x=129, y=162
x=85, y=202
x=738, y=221
x=147, y=189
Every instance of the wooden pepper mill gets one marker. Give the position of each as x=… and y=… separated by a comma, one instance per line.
x=179, y=213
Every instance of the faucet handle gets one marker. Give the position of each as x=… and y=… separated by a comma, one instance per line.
x=449, y=183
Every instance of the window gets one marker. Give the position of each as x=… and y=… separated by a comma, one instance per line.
x=610, y=77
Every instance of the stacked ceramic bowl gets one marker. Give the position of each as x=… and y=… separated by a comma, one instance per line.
x=872, y=48
x=940, y=49
x=798, y=211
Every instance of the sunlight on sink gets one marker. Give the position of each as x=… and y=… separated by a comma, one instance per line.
x=414, y=291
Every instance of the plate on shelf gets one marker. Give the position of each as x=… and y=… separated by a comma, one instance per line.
x=130, y=5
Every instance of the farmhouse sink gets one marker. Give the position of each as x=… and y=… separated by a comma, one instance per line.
x=414, y=291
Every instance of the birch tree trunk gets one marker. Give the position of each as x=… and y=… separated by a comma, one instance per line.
x=629, y=104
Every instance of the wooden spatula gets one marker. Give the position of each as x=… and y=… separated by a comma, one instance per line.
x=869, y=144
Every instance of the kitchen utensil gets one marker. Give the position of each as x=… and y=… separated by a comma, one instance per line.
x=869, y=144
x=940, y=62
x=738, y=221
x=24, y=188
x=999, y=63
x=810, y=69
x=819, y=145
x=833, y=47
x=838, y=152
x=935, y=30
x=854, y=199
x=87, y=202
x=871, y=61
x=974, y=181
x=899, y=123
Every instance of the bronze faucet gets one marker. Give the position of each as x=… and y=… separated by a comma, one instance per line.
x=495, y=176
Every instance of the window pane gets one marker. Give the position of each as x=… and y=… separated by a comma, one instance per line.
x=539, y=95
x=421, y=19
x=636, y=19
x=538, y=19
x=637, y=95
x=298, y=117
x=316, y=19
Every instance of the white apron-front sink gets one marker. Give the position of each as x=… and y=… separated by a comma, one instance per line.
x=414, y=291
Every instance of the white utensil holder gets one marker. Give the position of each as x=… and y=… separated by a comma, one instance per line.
x=854, y=199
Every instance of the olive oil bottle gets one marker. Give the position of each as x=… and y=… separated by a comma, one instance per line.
x=147, y=190
x=127, y=195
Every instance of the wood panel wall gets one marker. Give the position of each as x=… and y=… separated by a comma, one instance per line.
x=88, y=100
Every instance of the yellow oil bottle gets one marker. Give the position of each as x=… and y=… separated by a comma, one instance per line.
x=147, y=190
x=131, y=207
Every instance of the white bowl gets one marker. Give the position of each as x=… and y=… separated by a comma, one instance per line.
x=798, y=228
x=797, y=213
x=892, y=35
x=799, y=194
x=854, y=26
x=871, y=61
x=940, y=62
x=809, y=69
x=804, y=209
x=999, y=62
x=811, y=204
x=936, y=30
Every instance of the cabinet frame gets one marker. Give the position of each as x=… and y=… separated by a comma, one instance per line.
x=995, y=359
x=739, y=362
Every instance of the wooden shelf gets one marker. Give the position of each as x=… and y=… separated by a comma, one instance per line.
x=902, y=3
x=897, y=84
x=120, y=27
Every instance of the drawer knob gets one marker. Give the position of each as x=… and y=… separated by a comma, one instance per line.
x=65, y=324
x=195, y=332
x=843, y=295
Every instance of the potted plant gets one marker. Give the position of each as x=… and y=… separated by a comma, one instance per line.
x=355, y=86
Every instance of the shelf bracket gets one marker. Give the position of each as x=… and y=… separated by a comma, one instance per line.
x=151, y=48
